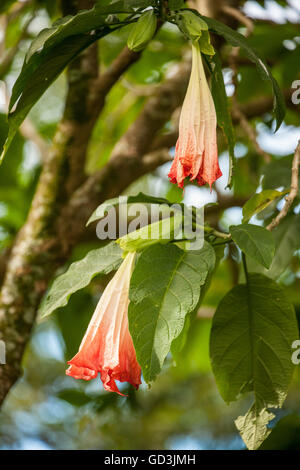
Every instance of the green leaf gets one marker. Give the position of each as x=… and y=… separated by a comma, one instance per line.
x=49, y=54
x=79, y=275
x=85, y=22
x=251, y=347
x=205, y=45
x=190, y=320
x=142, y=31
x=116, y=201
x=101, y=210
x=237, y=39
x=253, y=426
x=162, y=231
x=191, y=25
x=137, y=3
x=222, y=109
x=165, y=287
x=41, y=79
x=175, y=4
x=254, y=241
x=287, y=241
x=259, y=202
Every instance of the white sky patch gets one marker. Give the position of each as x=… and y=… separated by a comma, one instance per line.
x=273, y=11
x=2, y=97
x=48, y=343
x=32, y=157
x=29, y=443
x=290, y=45
x=198, y=196
x=227, y=75
x=282, y=143
x=232, y=216
x=41, y=21
x=240, y=150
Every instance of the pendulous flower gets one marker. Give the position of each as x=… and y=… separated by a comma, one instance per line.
x=107, y=346
x=196, y=153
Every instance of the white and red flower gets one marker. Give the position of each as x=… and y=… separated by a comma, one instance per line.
x=196, y=154
x=107, y=346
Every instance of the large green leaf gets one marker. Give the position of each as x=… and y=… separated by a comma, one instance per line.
x=165, y=287
x=162, y=231
x=79, y=275
x=175, y=4
x=260, y=201
x=237, y=39
x=50, y=53
x=254, y=241
x=253, y=425
x=190, y=25
x=91, y=22
x=142, y=31
x=251, y=346
x=287, y=241
x=116, y=201
x=179, y=342
x=41, y=79
x=164, y=208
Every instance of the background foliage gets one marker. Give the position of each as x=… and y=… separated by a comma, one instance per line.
x=46, y=409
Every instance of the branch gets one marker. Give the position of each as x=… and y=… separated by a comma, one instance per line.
x=250, y=132
x=239, y=15
x=8, y=58
x=114, y=72
x=264, y=104
x=293, y=192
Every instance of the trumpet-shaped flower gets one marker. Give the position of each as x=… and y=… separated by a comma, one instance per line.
x=107, y=346
x=196, y=154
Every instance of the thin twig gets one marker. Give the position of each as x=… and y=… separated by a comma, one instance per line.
x=250, y=132
x=29, y=131
x=289, y=199
x=140, y=90
x=8, y=58
x=17, y=9
x=238, y=15
x=3, y=26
